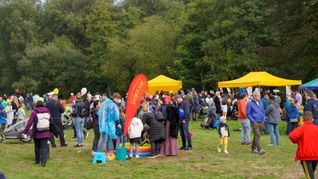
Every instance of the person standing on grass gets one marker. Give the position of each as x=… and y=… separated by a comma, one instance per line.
x=293, y=116
x=312, y=105
x=170, y=146
x=246, y=125
x=108, y=117
x=256, y=114
x=56, y=111
x=40, y=135
x=183, y=105
x=273, y=119
x=224, y=133
x=78, y=113
x=306, y=137
x=94, y=116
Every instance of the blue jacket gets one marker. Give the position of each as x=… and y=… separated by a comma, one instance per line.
x=293, y=113
x=108, y=117
x=3, y=117
x=255, y=112
x=312, y=106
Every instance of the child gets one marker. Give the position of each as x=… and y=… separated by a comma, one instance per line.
x=10, y=113
x=134, y=133
x=119, y=131
x=293, y=115
x=224, y=133
x=306, y=137
x=21, y=113
x=3, y=118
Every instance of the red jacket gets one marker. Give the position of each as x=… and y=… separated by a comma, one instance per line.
x=242, y=103
x=306, y=136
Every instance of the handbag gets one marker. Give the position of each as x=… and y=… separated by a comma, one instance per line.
x=293, y=120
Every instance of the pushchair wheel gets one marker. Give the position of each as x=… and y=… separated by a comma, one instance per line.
x=1, y=137
x=28, y=139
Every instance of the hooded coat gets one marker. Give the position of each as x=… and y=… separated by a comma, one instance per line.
x=108, y=117
x=157, y=132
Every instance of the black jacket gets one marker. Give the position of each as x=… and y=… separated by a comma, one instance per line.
x=312, y=106
x=94, y=116
x=56, y=109
x=222, y=125
x=157, y=131
x=173, y=117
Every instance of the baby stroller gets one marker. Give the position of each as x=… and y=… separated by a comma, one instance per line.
x=67, y=120
x=16, y=132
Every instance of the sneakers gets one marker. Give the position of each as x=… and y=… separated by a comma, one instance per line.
x=64, y=145
x=219, y=150
x=183, y=148
x=78, y=145
x=137, y=156
x=190, y=149
x=261, y=151
x=130, y=155
x=226, y=152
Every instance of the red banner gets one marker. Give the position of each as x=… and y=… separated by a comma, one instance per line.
x=137, y=90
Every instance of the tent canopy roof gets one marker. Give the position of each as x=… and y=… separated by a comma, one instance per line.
x=164, y=83
x=258, y=79
x=311, y=85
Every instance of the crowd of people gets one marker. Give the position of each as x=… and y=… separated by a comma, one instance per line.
x=160, y=118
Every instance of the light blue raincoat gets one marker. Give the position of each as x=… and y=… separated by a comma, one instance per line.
x=108, y=114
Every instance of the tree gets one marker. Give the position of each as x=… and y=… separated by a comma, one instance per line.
x=57, y=64
x=149, y=49
x=17, y=29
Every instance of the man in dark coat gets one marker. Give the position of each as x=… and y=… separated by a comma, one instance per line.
x=183, y=106
x=56, y=110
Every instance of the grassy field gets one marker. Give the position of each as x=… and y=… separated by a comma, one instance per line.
x=16, y=160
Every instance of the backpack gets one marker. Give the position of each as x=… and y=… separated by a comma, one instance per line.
x=79, y=111
x=43, y=121
x=82, y=112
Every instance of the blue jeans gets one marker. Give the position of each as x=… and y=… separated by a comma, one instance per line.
x=105, y=141
x=184, y=132
x=79, y=129
x=273, y=129
x=246, y=130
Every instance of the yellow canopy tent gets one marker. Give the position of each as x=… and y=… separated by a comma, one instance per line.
x=163, y=83
x=258, y=79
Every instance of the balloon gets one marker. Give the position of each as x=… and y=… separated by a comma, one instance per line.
x=4, y=104
x=181, y=113
x=83, y=91
x=56, y=91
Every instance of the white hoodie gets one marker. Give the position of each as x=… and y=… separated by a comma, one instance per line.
x=135, y=128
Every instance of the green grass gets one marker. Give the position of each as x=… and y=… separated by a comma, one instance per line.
x=16, y=160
